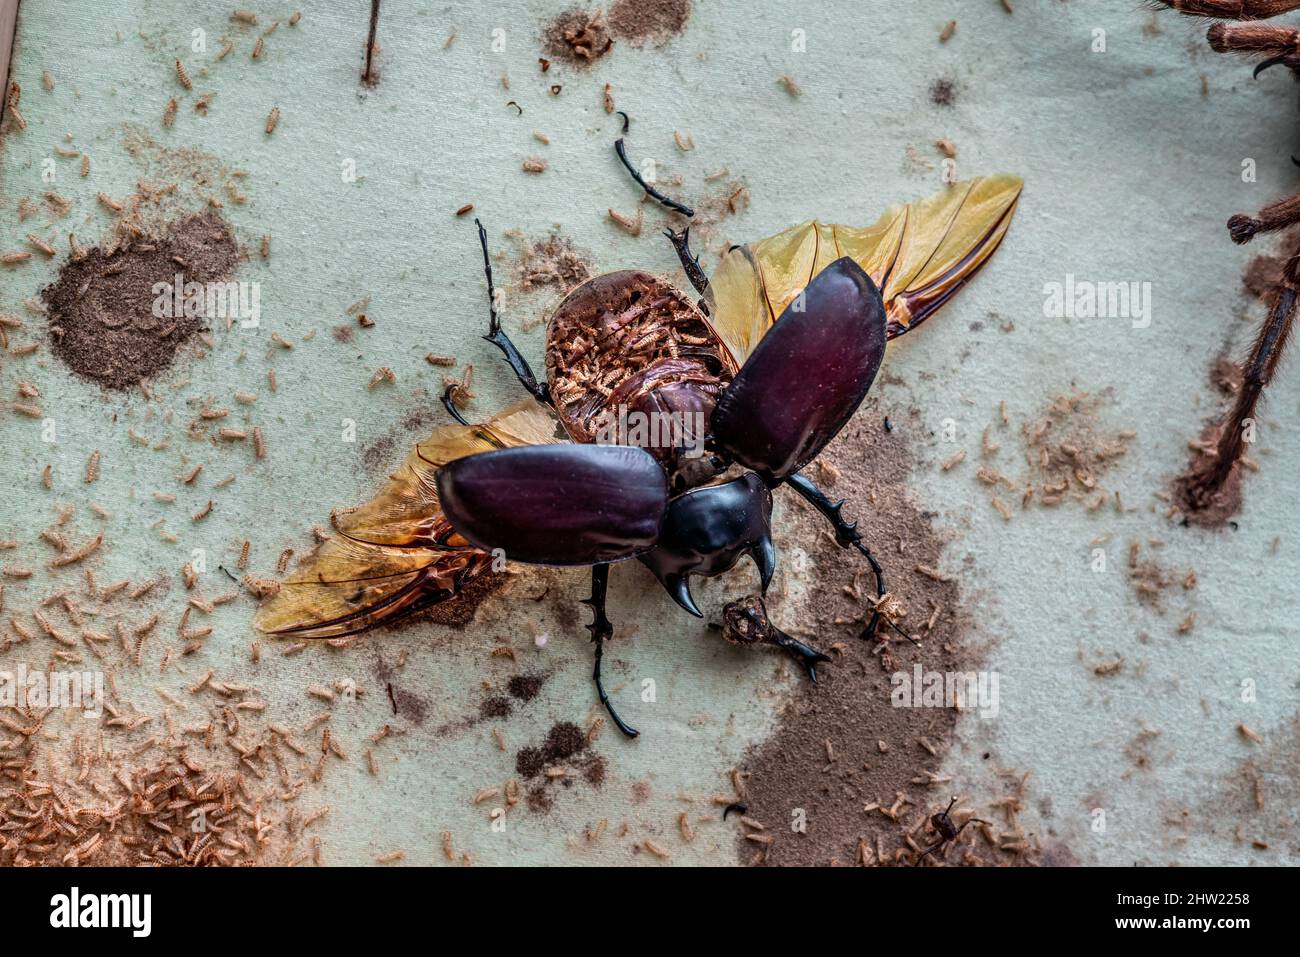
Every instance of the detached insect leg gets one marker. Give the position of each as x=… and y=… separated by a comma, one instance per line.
x=653, y=193
x=601, y=631
x=847, y=535
x=497, y=336
x=1259, y=369
x=745, y=622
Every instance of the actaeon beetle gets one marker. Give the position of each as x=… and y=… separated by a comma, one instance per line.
x=751, y=383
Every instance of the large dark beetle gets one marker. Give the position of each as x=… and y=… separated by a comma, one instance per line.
x=681, y=418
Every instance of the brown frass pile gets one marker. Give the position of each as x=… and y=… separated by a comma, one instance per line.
x=102, y=321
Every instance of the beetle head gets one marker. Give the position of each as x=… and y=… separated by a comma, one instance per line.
x=707, y=530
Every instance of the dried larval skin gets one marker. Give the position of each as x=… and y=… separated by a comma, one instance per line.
x=630, y=340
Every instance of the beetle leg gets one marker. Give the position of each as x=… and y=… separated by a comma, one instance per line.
x=745, y=622
x=497, y=336
x=807, y=657
x=636, y=175
x=929, y=850
x=601, y=631
x=1208, y=478
x=690, y=262
x=847, y=535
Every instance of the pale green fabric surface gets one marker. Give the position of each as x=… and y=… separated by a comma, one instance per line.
x=1129, y=173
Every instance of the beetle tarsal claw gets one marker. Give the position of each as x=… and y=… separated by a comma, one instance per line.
x=1271, y=62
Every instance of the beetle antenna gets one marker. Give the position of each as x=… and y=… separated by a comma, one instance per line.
x=653, y=193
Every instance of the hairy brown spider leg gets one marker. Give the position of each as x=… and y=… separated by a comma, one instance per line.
x=847, y=535
x=1279, y=215
x=653, y=193
x=1258, y=373
x=1258, y=39
x=1233, y=9
x=497, y=336
x=601, y=631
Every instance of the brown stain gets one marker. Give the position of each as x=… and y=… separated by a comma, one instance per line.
x=943, y=92
x=525, y=687
x=565, y=746
x=552, y=262
x=1261, y=796
x=1261, y=275
x=411, y=706
x=101, y=307
x=641, y=22
x=381, y=456
x=794, y=769
x=1220, y=508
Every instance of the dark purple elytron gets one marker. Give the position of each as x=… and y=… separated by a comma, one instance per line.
x=593, y=504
